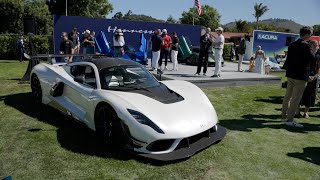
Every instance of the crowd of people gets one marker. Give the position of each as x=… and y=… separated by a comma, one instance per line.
x=71, y=43
x=163, y=45
x=302, y=70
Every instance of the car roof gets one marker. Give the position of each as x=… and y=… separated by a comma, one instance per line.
x=107, y=62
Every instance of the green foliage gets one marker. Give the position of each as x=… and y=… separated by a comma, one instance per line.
x=135, y=17
x=316, y=30
x=171, y=20
x=209, y=18
x=11, y=16
x=41, y=44
x=13, y=11
x=93, y=8
x=39, y=10
x=227, y=50
x=243, y=26
x=9, y=48
x=259, y=10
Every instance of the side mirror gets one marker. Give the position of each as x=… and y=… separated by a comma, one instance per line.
x=79, y=79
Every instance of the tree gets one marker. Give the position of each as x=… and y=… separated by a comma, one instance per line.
x=39, y=10
x=259, y=11
x=93, y=8
x=316, y=29
x=139, y=17
x=11, y=16
x=170, y=19
x=209, y=18
x=117, y=15
x=242, y=26
x=13, y=11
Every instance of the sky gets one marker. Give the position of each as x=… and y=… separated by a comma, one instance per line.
x=305, y=12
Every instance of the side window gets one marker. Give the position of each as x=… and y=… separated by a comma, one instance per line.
x=87, y=71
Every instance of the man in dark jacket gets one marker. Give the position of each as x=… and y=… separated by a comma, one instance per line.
x=298, y=69
x=206, y=41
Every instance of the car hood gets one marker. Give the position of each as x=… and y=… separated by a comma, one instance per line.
x=188, y=117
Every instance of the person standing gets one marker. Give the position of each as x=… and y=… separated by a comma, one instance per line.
x=164, y=49
x=85, y=41
x=118, y=43
x=218, y=50
x=174, y=51
x=309, y=95
x=66, y=47
x=241, y=52
x=259, y=58
x=206, y=42
x=74, y=37
x=297, y=67
x=21, y=43
x=156, y=41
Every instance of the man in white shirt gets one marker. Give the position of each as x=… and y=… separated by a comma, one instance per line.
x=218, y=50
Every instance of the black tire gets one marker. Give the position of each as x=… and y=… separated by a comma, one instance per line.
x=36, y=89
x=108, y=125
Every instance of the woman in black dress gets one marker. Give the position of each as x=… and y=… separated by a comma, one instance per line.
x=309, y=95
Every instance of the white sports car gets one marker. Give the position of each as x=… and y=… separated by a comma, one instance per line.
x=125, y=104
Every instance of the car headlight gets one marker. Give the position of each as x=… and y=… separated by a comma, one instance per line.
x=142, y=119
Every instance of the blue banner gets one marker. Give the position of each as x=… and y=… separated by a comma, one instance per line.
x=273, y=43
x=131, y=29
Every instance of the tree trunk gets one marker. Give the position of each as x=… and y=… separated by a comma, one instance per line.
x=257, y=23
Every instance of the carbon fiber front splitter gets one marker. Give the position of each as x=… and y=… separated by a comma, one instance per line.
x=192, y=149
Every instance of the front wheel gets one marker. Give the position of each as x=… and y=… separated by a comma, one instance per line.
x=108, y=125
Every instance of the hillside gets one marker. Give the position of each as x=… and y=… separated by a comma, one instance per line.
x=282, y=23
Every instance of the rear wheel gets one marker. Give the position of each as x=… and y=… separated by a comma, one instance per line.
x=36, y=89
x=108, y=125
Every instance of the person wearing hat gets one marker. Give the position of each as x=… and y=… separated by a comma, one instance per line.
x=86, y=41
x=164, y=48
x=218, y=50
x=206, y=41
x=118, y=43
x=74, y=37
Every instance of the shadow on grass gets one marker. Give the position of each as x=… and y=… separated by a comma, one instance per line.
x=71, y=135
x=258, y=121
x=272, y=99
x=309, y=154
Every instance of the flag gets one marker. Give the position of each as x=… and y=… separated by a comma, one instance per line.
x=198, y=6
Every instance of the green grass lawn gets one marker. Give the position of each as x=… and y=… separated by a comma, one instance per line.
x=40, y=143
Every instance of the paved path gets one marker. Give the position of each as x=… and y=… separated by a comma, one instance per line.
x=229, y=76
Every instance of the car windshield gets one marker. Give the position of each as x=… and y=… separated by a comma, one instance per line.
x=126, y=77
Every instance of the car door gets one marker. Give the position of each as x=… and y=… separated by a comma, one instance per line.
x=79, y=94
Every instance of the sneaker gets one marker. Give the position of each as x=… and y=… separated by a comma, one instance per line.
x=204, y=74
x=306, y=116
x=197, y=74
x=293, y=123
x=166, y=68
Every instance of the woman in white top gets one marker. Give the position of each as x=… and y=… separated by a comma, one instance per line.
x=259, y=59
x=118, y=43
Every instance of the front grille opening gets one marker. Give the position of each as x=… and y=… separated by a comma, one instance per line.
x=160, y=145
x=187, y=142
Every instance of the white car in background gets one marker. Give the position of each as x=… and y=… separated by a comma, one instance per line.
x=123, y=102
